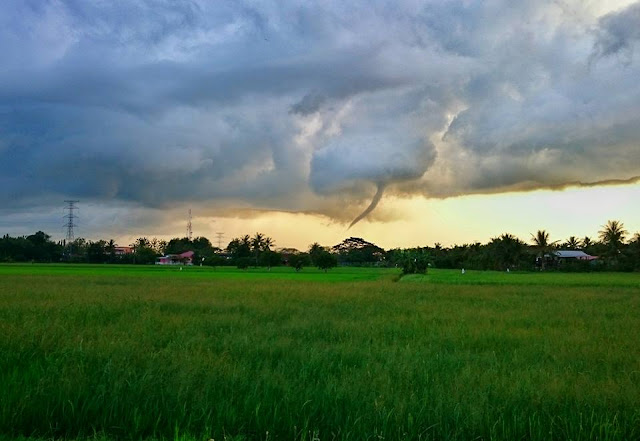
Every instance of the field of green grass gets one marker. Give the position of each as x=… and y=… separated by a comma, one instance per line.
x=551, y=279
x=108, y=352
x=175, y=272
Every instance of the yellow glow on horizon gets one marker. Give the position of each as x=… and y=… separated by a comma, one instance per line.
x=477, y=218
x=418, y=221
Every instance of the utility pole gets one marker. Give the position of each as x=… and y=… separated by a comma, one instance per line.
x=189, y=229
x=70, y=217
x=220, y=236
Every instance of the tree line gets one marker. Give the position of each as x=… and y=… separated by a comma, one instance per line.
x=615, y=248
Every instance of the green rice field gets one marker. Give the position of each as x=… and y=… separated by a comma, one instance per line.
x=128, y=352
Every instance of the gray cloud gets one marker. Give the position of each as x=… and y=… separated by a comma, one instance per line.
x=297, y=107
x=309, y=104
x=618, y=32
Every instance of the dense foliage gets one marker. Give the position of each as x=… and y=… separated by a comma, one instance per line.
x=36, y=247
x=356, y=251
x=616, y=251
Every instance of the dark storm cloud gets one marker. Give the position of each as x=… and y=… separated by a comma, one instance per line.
x=309, y=104
x=303, y=107
x=618, y=32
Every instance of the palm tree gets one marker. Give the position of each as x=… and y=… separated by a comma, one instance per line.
x=572, y=243
x=257, y=242
x=260, y=243
x=240, y=248
x=541, y=239
x=315, y=249
x=541, y=242
x=507, y=250
x=110, y=248
x=586, y=242
x=613, y=235
x=267, y=243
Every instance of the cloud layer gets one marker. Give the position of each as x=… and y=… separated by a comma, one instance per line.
x=301, y=107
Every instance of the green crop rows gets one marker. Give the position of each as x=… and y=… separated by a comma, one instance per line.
x=354, y=354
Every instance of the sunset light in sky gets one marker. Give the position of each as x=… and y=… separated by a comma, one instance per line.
x=419, y=222
x=423, y=122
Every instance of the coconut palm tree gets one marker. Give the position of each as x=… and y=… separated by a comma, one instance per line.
x=267, y=243
x=507, y=250
x=541, y=242
x=586, y=242
x=240, y=248
x=110, y=249
x=572, y=243
x=257, y=243
x=613, y=235
x=315, y=249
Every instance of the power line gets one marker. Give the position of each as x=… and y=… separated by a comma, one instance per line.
x=220, y=236
x=70, y=216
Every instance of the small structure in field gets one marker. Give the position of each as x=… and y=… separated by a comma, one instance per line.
x=185, y=258
x=571, y=259
x=121, y=251
x=571, y=254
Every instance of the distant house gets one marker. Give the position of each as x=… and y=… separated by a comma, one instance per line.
x=185, y=258
x=121, y=251
x=569, y=254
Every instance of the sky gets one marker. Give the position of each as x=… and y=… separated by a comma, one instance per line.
x=426, y=121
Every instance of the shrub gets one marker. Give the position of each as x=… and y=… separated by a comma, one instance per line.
x=243, y=262
x=298, y=261
x=326, y=260
x=415, y=265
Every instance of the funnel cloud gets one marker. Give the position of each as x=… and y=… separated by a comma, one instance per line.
x=297, y=107
x=371, y=207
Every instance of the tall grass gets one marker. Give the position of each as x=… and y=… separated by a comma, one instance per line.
x=199, y=358
x=342, y=274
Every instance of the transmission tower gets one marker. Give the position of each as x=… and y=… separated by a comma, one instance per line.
x=220, y=236
x=70, y=217
x=189, y=229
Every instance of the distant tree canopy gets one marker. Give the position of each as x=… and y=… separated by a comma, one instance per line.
x=613, y=235
x=508, y=252
x=37, y=247
x=355, y=250
x=270, y=258
x=572, y=243
x=415, y=264
x=315, y=249
x=96, y=252
x=203, y=251
x=257, y=247
x=326, y=261
x=240, y=247
x=614, y=250
x=299, y=260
